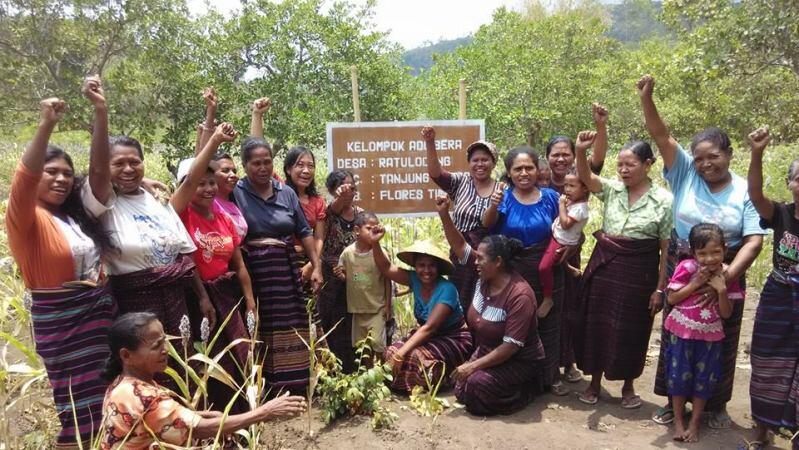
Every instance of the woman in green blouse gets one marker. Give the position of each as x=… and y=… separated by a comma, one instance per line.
x=625, y=277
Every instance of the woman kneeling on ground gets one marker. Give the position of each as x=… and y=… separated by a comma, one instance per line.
x=139, y=413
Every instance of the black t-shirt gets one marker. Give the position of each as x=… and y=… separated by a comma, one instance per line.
x=785, y=255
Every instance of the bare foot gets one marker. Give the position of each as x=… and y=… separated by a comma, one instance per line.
x=691, y=434
x=679, y=430
x=546, y=305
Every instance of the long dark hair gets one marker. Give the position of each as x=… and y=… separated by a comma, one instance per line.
x=294, y=155
x=124, y=333
x=73, y=205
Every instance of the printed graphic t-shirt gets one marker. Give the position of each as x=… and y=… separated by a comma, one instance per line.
x=785, y=255
x=215, y=240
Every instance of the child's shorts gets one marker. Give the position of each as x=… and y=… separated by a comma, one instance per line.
x=374, y=322
x=693, y=368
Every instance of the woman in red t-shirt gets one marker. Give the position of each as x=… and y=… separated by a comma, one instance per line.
x=218, y=256
x=300, y=170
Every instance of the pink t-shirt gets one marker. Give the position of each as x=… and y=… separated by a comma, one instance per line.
x=689, y=320
x=215, y=240
x=315, y=211
x=235, y=215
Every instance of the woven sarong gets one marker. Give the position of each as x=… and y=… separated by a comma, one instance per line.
x=331, y=306
x=71, y=333
x=502, y=389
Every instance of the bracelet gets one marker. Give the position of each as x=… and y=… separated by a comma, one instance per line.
x=660, y=291
x=397, y=358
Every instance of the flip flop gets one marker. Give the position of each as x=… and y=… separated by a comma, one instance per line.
x=631, y=402
x=663, y=416
x=591, y=399
x=574, y=376
x=559, y=389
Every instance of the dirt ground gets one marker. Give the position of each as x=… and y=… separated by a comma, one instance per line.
x=549, y=422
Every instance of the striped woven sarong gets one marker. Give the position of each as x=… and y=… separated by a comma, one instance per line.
x=70, y=329
x=570, y=311
x=464, y=276
x=161, y=291
x=282, y=314
x=331, y=306
x=549, y=326
x=441, y=353
x=615, y=320
x=774, y=385
x=679, y=250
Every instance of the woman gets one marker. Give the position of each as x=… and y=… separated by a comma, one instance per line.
x=625, y=277
x=274, y=216
x=560, y=155
x=339, y=233
x=138, y=413
x=218, y=258
x=299, y=166
x=774, y=387
x=442, y=341
x=150, y=263
x=471, y=194
x=504, y=372
x=525, y=212
x=57, y=248
x=705, y=190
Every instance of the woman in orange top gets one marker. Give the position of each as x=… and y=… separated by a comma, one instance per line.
x=57, y=248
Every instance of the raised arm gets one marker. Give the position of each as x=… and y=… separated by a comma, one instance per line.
x=758, y=140
x=100, y=159
x=211, y=103
x=433, y=164
x=183, y=195
x=584, y=141
x=344, y=196
x=600, y=114
x=491, y=214
x=388, y=270
x=654, y=123
x=454, y=237
x=259, y=108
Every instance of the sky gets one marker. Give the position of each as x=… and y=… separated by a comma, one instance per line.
x=412, y=23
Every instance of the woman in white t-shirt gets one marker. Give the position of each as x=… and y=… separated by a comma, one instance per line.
x=150, y=266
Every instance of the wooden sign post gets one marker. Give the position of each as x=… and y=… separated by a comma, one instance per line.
x=389, y=161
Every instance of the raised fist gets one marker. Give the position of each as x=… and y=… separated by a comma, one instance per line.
x=585, y=140
x=210, y=98
x=224, y=132
x=93, y=90
x=646, y=85
x=262, y=105
x=600, y=114
x=759, y=139
x=52, y=109
x=428, y=133
x=377, y=233
x=442, y=203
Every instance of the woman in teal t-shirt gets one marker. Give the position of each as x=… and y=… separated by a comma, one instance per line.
x=442, y=341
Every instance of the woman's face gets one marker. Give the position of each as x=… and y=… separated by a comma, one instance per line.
x=303, y=171
x=151, y=356
x=487, y=268
x=426, y=269
x=711, y=162
x=259, y=167
x=226, y=176
x=523, y=172
x=561, y=159
x=631, y=170
x=56, y=183
x=481, y=165
x=127, y=168
x=206, y=191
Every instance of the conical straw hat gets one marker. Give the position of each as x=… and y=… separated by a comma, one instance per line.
x=426, y=248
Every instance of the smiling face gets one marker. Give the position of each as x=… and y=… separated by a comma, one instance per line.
x=303, y=171
x=481, y=165
x=711, y=162
x=226, y=176
x=561, y=159
x=56, y=183
x=631, y=169
x=151, y=356
x=206, y=191
x=426, y=269
x=523, y=172
x=259, y=167
x=127, y=168
x=710, y=256
x=487, y=268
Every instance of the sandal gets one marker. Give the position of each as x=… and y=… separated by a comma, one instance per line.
x=589, y=398
x=719, y=420
x=663, y=415
x=559, y=389
x=574, y=376
x=631, y=402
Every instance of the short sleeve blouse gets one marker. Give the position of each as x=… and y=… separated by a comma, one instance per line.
x=216, y=240
x=468, y=206
x=530, y=224
x=649, y=218
x=444, y=293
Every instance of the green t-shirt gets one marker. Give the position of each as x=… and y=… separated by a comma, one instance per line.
x=366, y=286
